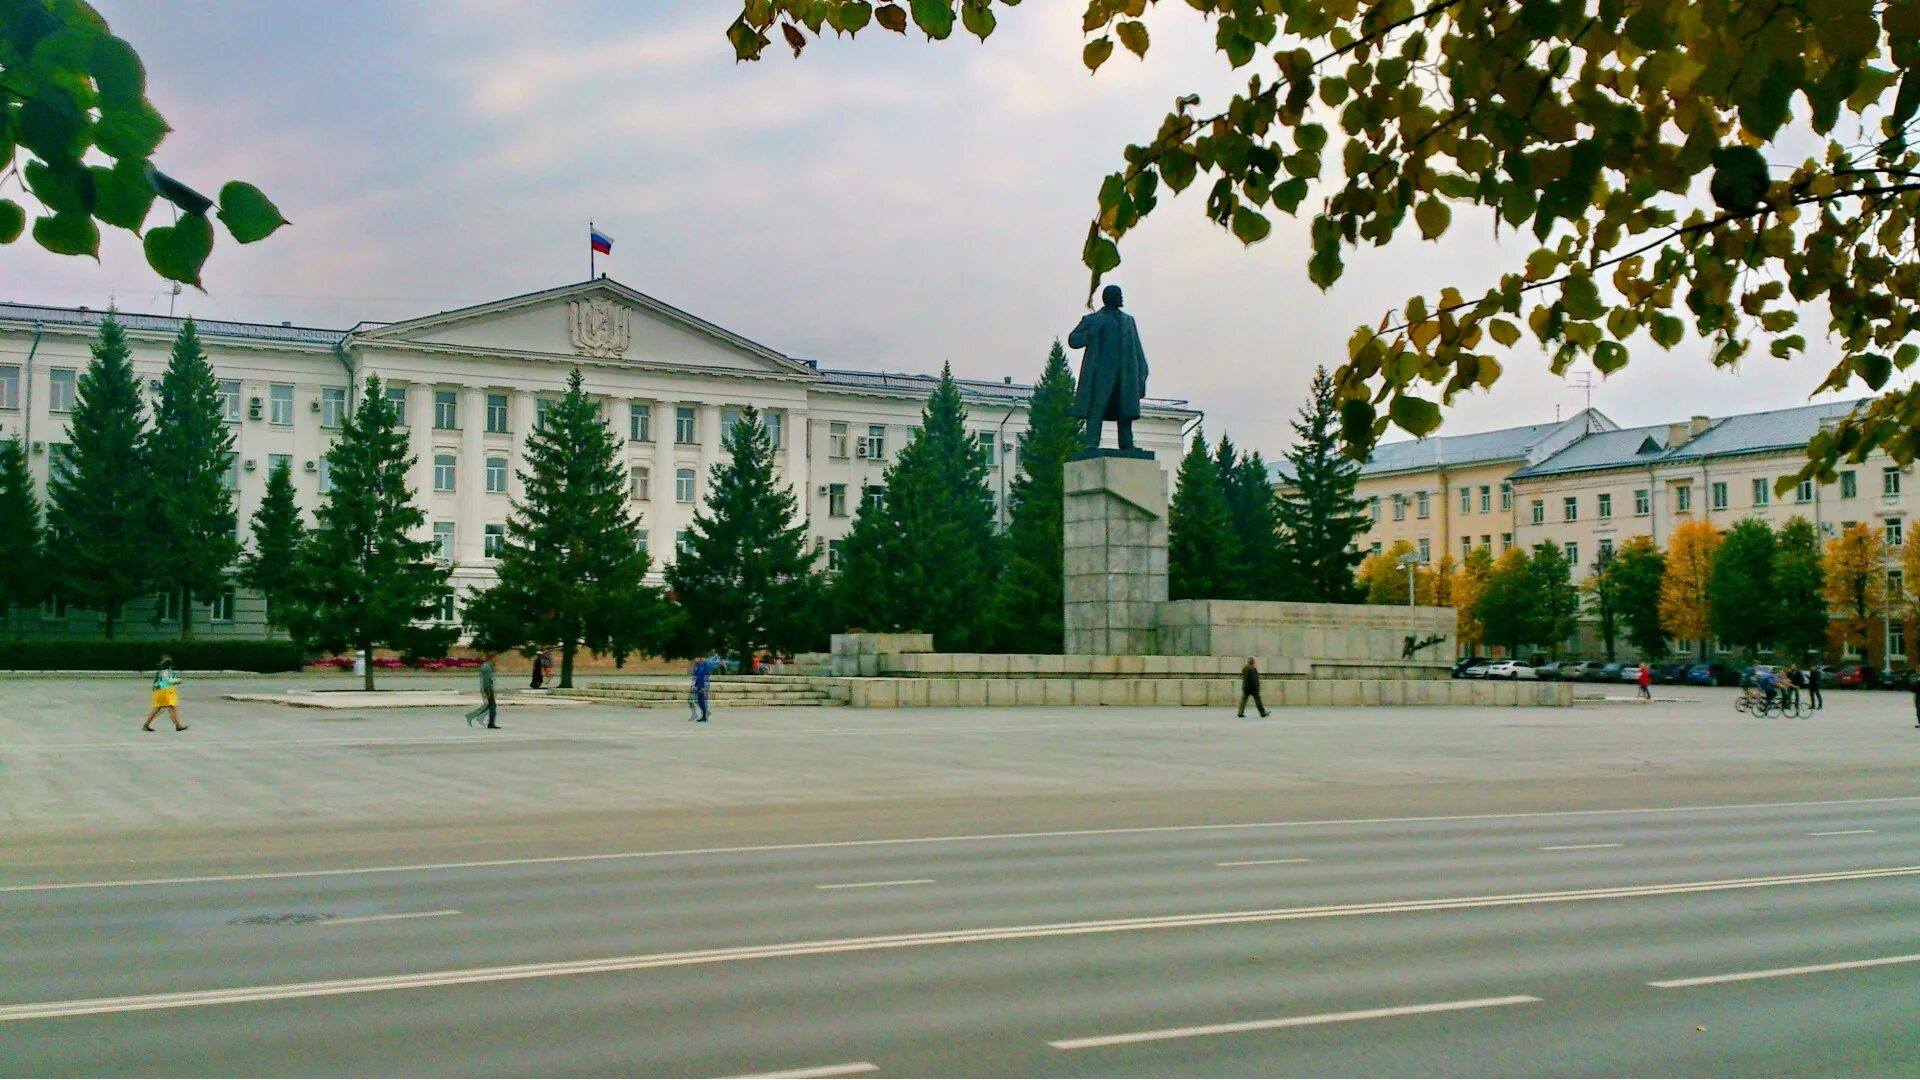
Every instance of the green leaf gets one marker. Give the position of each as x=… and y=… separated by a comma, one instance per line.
x=1434, y=216
x=978, y=18
x=131, y=133
x=122, y=195
x=68, y=234
x=1096, y=52
x=1582, y=298
x=117, y=72
x=247, y=214
x=66, y=188
x=12, y=220
x=1312, y=137
x=1100, y=255
x=1739, y=179
x=1178, y=168
x=1416, y=416
x=1249, y=225
x=1874, y=369
x=1356, y=420
x=891, y=17
x=935, y=17
x=177, y=252
x=1289, y=195
x=1133, y=35
x=1504, y=332
x=1609, y=357
x=1667, y=330
x=52, y=127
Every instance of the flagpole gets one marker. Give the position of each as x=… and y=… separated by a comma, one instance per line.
x=590, y=252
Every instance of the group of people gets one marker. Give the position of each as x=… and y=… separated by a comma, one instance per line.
x=1778, y=684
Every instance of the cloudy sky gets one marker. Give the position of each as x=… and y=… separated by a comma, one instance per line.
x=886, y=203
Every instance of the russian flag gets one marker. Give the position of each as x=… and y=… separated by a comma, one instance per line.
x=602, y=243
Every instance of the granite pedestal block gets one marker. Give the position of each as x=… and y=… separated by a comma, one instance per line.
x=1115, y=547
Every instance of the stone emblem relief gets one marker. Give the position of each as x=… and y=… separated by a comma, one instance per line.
x=599, y=327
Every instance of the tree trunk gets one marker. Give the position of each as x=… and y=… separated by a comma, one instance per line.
x=366, y=655
x=567, y=649
x=186, y=613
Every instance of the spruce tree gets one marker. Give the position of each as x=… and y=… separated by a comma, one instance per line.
x=865, y=593
x=1256, y=526
x=1029, y=603
x=746, y=577
x=571, y=571
x=940, y=554
x=1319, y=516
x=1202, y=552
x=363, y=579
x=187, y=452
x=20, y=545
x=100, y=502
x=269, y=568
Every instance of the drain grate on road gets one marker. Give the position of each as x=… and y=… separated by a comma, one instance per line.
x=292, y=918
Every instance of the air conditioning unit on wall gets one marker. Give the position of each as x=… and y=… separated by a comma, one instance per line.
x=253, y=408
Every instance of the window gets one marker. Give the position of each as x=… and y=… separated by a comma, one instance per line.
x=445, y=611
x=1683, y=497
x=1762, y=491
x=1466, y=546
x=497, y=413
x=230, y=476
x=280, y=404
x=443, y=472
x=836, y=500
x=683, y=485
x=1849, y=487
x=1466, y=500
x=683, y=429
x=1420, y=503
x=1897, y=640
x=497, y=475
x=1399, y=507
x=1890, y=481
x=775, y=434
x=876, y=440
x=494, y=543
x=640, y=422
x=9, y=386
x=446, y=409
x=834, y=554
x=728, y=419
x=1896, y=532
x=683, y=542
x=1803, y=493
x=1426, y=550
x=60, y=388
x=222, y=606
x=837, y=439
x=1539, y=511
x=166, y=606
x=640, y=541
x=228, y=391
x=1375, y=550
x=1486, y=541
x=1603, y=505
x=540, y=408
x=988, y=443
x=1896, y=583
x=1570, y=508
x=874, y=496
x=276, y=462
x=59, y=459
x=1373, y=507
x=1486, y=499
x=1717, y=496
x=443, y=540
x=1606, y=550
x=398, y=396
x=1642, y=502
x=640, y=483
x=1506, y=496
x=333, y=406
x=1506, y=542
x=324, y=481
x=1573, y=556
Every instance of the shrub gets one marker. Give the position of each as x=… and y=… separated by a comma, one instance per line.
x=71, y=655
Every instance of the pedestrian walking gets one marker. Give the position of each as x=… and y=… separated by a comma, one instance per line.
x=488, y=707
x=1813, y=686
x=542, y=666
x=702, y=681
x=1250, y=688
x=1646, y=683
x=166, y=695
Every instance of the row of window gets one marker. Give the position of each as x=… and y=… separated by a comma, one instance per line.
x=1423, y=508
x=493, y=541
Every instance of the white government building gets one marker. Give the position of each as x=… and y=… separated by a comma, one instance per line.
x=472, y=383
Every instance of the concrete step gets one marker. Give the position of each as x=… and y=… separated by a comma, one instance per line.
x=728, y=696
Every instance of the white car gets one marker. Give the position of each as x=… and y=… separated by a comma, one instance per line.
x=1508, y=669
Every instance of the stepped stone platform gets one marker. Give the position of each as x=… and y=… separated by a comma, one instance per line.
x=726, y=692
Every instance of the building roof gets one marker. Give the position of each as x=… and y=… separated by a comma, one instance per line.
x=1526, y=443
x=1606, y=450
x=168, y=324
x=1745, y=433
x=1005, y=392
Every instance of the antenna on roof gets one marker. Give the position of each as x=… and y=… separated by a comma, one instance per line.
x=1587, y=384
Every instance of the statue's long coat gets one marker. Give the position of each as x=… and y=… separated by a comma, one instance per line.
x=1113, y=374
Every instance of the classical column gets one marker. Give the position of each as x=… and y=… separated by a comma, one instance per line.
x=470, y=524
x=793, y=428
x=419, y=426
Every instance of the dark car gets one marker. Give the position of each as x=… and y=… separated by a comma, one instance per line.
x=1551, y=670
x=1898, y=678
x=1671, y=674
x=1461, y=665
x=1712, y=675
x=1601, y=673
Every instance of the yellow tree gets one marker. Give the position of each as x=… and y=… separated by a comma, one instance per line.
x=1384, y=578
x=1684, y=609
x=1469, y=584
x=1434, y=584
x=1856, y=567
x=1907, y=601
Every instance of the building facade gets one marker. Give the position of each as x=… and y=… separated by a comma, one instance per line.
x=473, y=382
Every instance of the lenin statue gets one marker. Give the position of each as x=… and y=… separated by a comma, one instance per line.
x=1113, y=373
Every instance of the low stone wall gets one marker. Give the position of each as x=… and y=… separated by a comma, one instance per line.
x=859, y=654
x=885, y=693
x=1330, y=632
x=1043, y=665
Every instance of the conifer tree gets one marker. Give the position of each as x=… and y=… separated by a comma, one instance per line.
x=278, y=532
x=188, y=454
x=1256, y=528
x=1029, y=601
x=21, y=582
x=1636, y=573
x=746, y=580
x=571, y=570
x=1319, y=515
x=100, y=503
x=363, y=579
x=1203, y=556
x=1800, y=586
x=939, y=551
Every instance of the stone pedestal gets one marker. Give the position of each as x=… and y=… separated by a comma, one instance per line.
x=1115, y=534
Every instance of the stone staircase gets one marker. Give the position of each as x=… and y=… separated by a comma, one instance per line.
x=726, y=692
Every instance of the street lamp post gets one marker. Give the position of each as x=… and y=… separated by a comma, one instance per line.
x=1409, y=560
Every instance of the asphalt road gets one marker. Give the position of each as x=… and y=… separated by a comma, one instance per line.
x=1486, y=944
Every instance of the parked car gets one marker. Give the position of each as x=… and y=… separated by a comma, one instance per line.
x=1671, y=674
x=1476, y=670
x=1629, y=673
x=1462, y=665
x=1898, y=678
x=1603, y=673
x=1509, y=669
x=1712, y=675
x=1854, y=677
x=1576, y=670
x=1551, y=670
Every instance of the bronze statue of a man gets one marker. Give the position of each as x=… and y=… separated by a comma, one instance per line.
x=1113, y=373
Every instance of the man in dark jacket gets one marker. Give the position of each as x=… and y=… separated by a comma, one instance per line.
x=1813, y=686
x=1113, y=373
x=1250, y=688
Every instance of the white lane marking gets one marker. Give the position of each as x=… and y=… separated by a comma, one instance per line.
x=1578, y=847
x=879, y=884
x=1844, y=832
x=851, y=1068
x=1778, y=973
x=1262, y=862
x=42, y=1010
x=1288, y=1022
x=819, y=845
x=385, y=918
